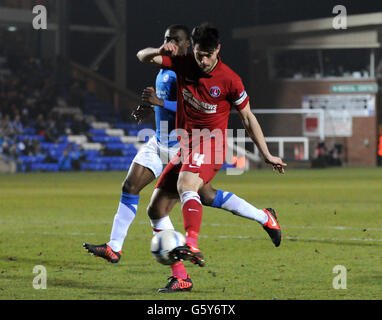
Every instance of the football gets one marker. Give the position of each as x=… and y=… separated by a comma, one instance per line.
x=163, y=243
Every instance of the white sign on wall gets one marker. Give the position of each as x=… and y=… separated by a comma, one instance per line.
x=339, y=113
x=336, y=124
x=357, y=105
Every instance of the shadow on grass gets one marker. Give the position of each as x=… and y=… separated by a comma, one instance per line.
x=90, y=289
x=371, y=279
x=54, y=263
x=354, y=243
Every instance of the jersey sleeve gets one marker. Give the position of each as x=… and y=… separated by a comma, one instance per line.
x=170, y=105
x=167, y=62
x=175, y=63
x=239, y=97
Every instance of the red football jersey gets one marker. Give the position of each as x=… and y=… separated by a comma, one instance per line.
x=205, y=100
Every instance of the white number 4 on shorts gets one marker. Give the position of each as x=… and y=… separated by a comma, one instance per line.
x=198, y=159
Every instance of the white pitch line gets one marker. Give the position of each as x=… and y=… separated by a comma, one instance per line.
x=333, y=228
x=216, y=224
x=210, y=237
x=332, y=239
x=232, y=225
x=69, y=233
x=294, y=238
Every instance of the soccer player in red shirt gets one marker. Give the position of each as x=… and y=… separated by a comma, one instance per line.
x=207, y=88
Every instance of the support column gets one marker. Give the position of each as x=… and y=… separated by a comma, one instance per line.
x=120, y=66
x=62, y=40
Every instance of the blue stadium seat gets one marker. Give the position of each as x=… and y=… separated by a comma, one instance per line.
x=63, y=139
x=106, y=139
x=133, y=132
x=100, y=139
x=31, y=159
x=98, y=132
x=51, y=167
x=114, y=139
x=94, y=166
x=56, y=153
x=31, y=137
x=108, y=159
x=99, y=160
x=91, y=154
x=115, y=145
x=145, y=126
x=126, y=126
x=29, y=131
x=129, y=150
x=120, y=166
x=54, y=146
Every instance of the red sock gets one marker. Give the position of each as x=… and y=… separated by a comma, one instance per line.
x=178, y=270
x=192, y=216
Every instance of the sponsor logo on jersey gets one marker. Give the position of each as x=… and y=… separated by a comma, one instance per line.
x=199, y=105
x=215, y=92
x=161, y=94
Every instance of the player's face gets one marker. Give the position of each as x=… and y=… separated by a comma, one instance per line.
x=206, y=60
x=179, y=38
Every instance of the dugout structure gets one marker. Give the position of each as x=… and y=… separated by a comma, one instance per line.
x=310, y=65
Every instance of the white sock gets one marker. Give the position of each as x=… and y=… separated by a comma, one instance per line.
x=161, y=224
x=231, y=202
x=122, y=220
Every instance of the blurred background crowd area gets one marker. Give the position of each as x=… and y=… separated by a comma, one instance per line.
x=40, y=109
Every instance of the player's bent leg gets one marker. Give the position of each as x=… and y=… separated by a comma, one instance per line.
x=161, y=204
x=188, y=185
x=239, y=207
x=231, y=202
x=207, y=194
x=137, y=178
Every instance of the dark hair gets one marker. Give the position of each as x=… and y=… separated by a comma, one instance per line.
x=176, y=27
x=206, y=36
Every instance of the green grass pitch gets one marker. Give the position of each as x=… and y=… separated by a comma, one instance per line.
x=328, y=217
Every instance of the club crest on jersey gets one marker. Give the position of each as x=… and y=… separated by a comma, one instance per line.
x=165, y=77
x=215, y=92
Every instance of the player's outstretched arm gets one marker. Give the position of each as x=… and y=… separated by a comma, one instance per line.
x=253, y=129
x=154, y=55
x=151, y=56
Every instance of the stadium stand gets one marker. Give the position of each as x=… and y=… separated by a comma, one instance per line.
x=49, y=127
x=50, y=123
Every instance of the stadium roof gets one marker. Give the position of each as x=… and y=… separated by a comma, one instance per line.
x=363, y=31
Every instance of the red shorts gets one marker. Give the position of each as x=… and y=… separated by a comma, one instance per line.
x=206, y=159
